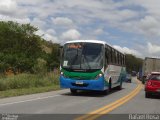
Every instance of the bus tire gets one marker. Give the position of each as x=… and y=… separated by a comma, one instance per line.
x=73, y=91
x=105, y=92
x=110, y=85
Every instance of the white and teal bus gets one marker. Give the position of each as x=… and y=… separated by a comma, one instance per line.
x=91, y=65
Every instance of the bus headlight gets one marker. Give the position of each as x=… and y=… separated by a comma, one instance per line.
x=98, y=76
x=62, y=74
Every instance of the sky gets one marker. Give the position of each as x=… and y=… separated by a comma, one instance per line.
x=131, y=26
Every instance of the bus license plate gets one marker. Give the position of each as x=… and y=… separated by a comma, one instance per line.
x=79, y=82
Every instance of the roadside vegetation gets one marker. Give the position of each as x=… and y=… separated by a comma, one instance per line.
x=28, y=63
x=133, y=63
x=28, y=84
x=28, y=81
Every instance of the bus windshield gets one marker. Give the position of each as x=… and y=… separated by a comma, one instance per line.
x=82, y=56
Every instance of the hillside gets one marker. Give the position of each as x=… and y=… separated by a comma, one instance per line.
x=21, y=49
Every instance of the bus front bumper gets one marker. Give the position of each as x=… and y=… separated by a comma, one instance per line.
x=98, y=84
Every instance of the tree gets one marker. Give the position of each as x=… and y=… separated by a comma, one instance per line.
x=19, y=46
x=53, y=60
x=133, y=63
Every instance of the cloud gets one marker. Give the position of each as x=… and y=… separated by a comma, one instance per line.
x=38, y=23
x=31, y=2
x=151, y=6
x=19, y=20
x=47, y=36
x=98, y=31
x=127, y=19
x=62, y=21
x=127, y=50
x=11, y=8
x=149, y=26
x=153, y=49
x=71, y=34
x=7, y=6
x=51, y=31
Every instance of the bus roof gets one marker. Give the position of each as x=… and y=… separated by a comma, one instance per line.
x=92, y=41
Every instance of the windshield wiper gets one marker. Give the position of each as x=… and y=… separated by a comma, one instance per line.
x=73, y=60
x=84, y=59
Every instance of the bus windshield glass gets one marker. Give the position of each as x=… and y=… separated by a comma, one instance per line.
x=82, y=56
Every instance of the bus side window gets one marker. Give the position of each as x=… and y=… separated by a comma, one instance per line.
x=109, y=55
x=124, y=59
x=106, y=57
x=120, y=62
x=116, y=56
x=111, y=52
x=113, y=56
x=121, y=59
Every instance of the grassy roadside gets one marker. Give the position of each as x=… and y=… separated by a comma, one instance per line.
x=27, y=91
x=24, y=84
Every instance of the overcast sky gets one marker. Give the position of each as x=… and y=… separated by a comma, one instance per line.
x=132, y=26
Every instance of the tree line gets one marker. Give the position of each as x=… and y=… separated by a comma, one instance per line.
x=133, y=63
x=23, y=51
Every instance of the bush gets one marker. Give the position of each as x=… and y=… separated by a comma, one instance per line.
x=28, y=81
x=40, y=68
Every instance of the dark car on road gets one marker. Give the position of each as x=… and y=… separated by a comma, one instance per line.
x=152, y=85
x=128, y=78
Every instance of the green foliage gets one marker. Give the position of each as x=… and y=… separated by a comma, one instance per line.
x=133, y=63
x=40, y=67
x=24, y=51
x=25, y=91
x=53, y=60
x=21, y=49
x=28, y=81
x=19, y=46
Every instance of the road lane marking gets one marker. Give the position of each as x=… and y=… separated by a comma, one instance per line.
x=29, y=100
x=105, y=107
x=113, y=107
x=113, y=104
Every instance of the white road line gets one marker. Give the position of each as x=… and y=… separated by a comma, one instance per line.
x=39, y=98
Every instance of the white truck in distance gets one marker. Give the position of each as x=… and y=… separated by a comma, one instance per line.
x=150, y=65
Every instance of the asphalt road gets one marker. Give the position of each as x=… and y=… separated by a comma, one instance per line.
x=63, y=103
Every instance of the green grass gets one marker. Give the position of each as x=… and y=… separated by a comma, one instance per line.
x=26, y=91
x=23, y=84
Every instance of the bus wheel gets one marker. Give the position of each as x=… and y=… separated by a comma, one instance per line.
x=73, y=91
x=105, y=92
x=110, y=85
